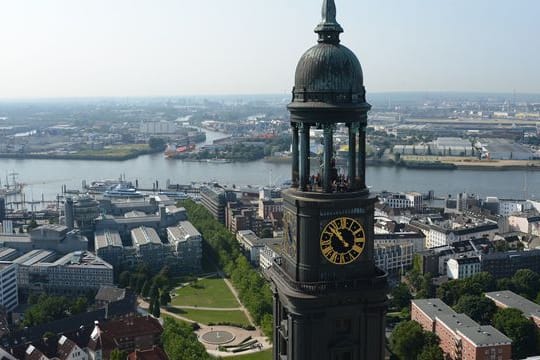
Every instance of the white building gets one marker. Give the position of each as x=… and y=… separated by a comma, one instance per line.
x=251, y=243
x=510, y=206
x=158, y=127
x=267, y=256
x=403, y=200
x=392, y=257
x=525, y=224
x=74, y=273
x=463, y=267
x=9, y=296
x=186, y=242
x=417, y=239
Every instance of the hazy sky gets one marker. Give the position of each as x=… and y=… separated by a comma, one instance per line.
x=57, y=48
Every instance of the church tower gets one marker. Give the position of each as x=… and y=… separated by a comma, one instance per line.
x=329, y=297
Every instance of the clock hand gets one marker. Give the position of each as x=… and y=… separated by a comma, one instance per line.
x=339, y=236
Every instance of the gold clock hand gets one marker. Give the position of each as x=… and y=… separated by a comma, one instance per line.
x=339, y=236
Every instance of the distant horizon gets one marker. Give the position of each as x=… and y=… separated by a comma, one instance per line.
x=216, y=95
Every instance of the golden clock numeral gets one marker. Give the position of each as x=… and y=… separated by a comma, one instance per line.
x=343, y=223
x=325, y=243
x=327, y=251
x=357, y=248
x=359, y=231
x=334, y=257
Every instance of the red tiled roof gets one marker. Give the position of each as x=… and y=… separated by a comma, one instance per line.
x=155, y=353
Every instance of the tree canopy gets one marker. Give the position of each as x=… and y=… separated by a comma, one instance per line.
x=409, y=341
x=179, y=341
x=521, y=330
x=477, y=307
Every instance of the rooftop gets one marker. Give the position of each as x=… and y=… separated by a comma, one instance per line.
x=81, y=259
x=104, y=238
x=461, y=324
x=145, y=235
x=432, y=307
x=512, y=300
x=183, y=231
x=484, y=335
x=110, y=294
x=34, y=257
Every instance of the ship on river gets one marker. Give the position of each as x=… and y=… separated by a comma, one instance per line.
x=13, y=188
x=173, y=151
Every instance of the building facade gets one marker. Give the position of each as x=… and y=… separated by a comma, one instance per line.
x=462, y=267
x=461, y=338
x=9, y=296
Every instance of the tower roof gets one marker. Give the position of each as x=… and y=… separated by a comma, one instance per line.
x=328, y=73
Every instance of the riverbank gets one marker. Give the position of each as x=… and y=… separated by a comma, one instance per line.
x=116, y=153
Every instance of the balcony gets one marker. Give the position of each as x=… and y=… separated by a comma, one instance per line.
x=322, y=287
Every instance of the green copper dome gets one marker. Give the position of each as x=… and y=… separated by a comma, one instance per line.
x=329, y=72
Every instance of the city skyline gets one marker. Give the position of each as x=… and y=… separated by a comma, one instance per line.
x=76, y=49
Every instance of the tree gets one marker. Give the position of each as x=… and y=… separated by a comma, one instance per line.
x=431, y=352
x=154, y=291
x=526, y=282
x=407, y=340
x=154, y=307
x=179, y=342
x=164, y=298
x=156, y=143
x=521, y=330
x=32, y=225
x=478, y=307
x=79, y=306
x=118, y=354
x=400, y=297
x=145, y=291
x=123, y=279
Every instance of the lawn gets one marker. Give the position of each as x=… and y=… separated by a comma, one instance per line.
x=261, y=355
x=209, y=316
x=205, y=293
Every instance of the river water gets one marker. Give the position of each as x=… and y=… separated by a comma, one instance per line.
x=46, y=177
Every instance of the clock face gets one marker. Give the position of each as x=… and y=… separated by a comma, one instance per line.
x=342, y=240
x=289, y=240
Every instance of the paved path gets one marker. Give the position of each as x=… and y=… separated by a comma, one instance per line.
x=235, y=293
x=208, y=308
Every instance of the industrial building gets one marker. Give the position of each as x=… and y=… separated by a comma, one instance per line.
x=108, y=246
x=48, y=237
x=502, y=149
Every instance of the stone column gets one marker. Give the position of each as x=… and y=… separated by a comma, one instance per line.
x=304, y=156
x=328, y=154
x=352, y=157
x=362, y=157
x=295, y=160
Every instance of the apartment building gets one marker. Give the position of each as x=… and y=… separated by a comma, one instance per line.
x=461, y=337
